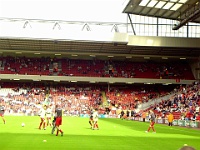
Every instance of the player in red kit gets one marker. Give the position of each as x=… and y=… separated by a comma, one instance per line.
x=58, y=115
x=152, y=118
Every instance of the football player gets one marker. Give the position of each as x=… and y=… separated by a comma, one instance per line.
x=49, y=114
x=58, y=115
x=42, y=114
x=2, y=110
x=91, y=122
x=95, y=119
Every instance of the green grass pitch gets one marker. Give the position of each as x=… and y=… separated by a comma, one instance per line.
x=114, y=134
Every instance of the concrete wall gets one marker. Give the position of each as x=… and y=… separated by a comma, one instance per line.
x=92, y=79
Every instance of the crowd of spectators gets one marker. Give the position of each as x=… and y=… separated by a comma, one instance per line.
x=94, y=68
x=129, y=97
x=185, y=104
x=27, y=98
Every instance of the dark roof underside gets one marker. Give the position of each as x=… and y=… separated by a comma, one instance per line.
x=191, y=8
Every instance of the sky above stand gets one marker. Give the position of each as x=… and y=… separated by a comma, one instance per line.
x=68, y=10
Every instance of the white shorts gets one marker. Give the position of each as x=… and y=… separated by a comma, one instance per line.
x=48, y=115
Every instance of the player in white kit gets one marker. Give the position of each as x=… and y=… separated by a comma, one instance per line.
x=49, y=114
x=95, y=120
x=42, y=114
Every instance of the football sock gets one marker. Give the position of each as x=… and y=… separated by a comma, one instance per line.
x=90, y=123
x=49, y=124
x=149, y=129
x=40, y=125
x=44, y=125
x=53, y=129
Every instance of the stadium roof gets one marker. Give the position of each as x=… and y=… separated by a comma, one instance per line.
x=183, y=11
x=102, y=49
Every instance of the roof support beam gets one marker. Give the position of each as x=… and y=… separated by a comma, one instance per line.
x=131, y=23
x=195, y=13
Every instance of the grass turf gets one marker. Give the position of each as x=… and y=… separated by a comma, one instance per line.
x=114, y=134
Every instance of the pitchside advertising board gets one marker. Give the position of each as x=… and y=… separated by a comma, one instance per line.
x=186, y=123
x=100, y=116
x=183, y=123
